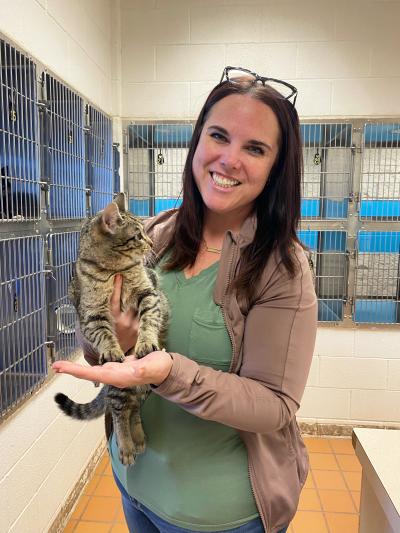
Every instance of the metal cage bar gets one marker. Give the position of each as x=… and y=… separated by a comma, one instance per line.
x=99, y=159
x=62, y=250
x=377, y=285
x=156, y=157
x=23, y=362
x=19, y=146
x=380, y=174
x=327, y=158
x=329, y=258
x=63, y=150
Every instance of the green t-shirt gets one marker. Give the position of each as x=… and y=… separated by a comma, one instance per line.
x=194, y=472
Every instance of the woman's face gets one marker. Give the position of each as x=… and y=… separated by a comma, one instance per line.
x=235, y=154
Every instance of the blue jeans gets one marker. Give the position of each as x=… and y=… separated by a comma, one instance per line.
x=141, y=520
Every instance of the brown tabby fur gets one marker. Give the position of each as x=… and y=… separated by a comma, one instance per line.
x=114, y=242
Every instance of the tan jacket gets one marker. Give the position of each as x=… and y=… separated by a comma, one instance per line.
x=273, y=344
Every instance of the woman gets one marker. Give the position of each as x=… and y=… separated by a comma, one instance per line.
x=224, y=451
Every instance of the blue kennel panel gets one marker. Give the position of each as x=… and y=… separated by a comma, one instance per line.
x=376, y=312
x=377, y=282
x=23, y=362
x=328, y=256
x=63, y=151
x=327, y=165
x=19, y=144
x=63, y=248
x=99, y=159
x=380, y=172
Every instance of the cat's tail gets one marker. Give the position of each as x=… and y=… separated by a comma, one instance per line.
x=82, y=411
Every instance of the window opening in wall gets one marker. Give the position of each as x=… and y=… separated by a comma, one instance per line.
x=19, y=157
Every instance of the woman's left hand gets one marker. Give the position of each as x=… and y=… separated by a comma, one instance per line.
x=152, y=369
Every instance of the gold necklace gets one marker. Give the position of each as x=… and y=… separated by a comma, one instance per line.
x=211, y=249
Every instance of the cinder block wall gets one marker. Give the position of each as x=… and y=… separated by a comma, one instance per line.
x=340, y=55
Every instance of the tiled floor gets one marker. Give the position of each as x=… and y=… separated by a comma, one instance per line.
x=329, y=502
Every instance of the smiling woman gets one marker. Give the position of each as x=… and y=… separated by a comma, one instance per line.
x=224, y=452
x=234, y=157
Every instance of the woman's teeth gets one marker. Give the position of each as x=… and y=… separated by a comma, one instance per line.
x=224, y=182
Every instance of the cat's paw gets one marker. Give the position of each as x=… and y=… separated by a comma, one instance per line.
x=109, y=356
x=140, y=447
x=143, y=348
x=127, y=455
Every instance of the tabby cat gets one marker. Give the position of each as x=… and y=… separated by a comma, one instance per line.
x=114, y=242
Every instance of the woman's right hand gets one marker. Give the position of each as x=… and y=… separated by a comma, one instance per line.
x=126, y=323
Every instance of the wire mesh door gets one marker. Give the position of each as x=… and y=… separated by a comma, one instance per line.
x=99, y=156
x=327, y=170
x=380, y=175
x=63, y=160
x=156, y=159
x=19, y=146
x=63, y=250
x=377, y=286
x=23, y=363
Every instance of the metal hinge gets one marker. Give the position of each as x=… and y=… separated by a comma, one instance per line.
x=354, y=197
x=49, y=272
x=356, y=149
x=50, y=351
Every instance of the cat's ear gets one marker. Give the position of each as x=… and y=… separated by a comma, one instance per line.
x=110, y=218
x=120, y=200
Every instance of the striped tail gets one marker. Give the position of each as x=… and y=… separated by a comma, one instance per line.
x=82, y=411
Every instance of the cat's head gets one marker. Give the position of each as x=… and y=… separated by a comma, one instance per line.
x=116, y=231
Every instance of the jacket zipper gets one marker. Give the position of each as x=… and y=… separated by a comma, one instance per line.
x=234, y=359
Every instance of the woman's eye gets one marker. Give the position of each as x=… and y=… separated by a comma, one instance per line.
x=218, y=136
x=256, y=150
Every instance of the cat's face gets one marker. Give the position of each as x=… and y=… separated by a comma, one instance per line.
x=115, y=230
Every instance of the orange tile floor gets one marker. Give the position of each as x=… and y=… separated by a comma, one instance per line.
x=329, y=502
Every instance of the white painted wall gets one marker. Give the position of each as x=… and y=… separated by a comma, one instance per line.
x=44, y=455
x=72, y=38
x=340, y=54
x=354, y=378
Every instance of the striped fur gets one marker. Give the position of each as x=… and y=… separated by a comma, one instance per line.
x=114, y=242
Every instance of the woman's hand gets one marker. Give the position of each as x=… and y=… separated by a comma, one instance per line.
x=126, y=324
x=152, y=369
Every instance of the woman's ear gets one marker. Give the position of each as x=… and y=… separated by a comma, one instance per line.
x=110, y=218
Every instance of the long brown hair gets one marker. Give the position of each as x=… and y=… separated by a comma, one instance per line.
x=277, y=208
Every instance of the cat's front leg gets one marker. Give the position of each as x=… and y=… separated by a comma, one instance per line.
x=149, y=324
x=97, y=329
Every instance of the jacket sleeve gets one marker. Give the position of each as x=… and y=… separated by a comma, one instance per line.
x=278, y=346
